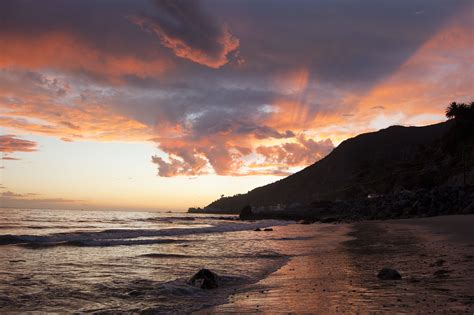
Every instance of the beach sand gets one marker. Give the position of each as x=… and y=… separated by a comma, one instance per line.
x=337, y=271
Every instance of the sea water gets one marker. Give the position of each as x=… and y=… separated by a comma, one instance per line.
x=107, y=261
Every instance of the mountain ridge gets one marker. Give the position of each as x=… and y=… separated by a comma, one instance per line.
x=376, y=163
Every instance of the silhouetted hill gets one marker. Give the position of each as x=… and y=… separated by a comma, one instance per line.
x=390, y=160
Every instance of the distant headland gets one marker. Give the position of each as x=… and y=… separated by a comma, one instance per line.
x=396, y=172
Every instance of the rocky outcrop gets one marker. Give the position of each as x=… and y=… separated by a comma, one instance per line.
x=205, y=279
x=404, y=204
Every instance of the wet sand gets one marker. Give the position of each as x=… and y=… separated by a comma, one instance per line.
x=338, y=275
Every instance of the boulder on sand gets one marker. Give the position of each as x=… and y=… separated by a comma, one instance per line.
x=389, y=274
x=205, y=279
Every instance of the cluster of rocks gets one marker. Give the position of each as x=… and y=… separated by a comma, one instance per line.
x=404, y=204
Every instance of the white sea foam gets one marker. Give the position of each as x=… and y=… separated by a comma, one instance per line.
x=116, y=237
x=90, y=261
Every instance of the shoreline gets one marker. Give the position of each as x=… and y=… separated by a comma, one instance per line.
x=434, y=255
x=276, y=289
x=419, y=203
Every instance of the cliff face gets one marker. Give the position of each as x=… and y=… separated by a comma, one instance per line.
x=380, y=162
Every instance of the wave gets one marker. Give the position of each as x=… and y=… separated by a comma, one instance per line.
x=171, y=297
x=170, y=219
x=260, y=254
x=125, y=237
x=162, y=255
x=100, y=243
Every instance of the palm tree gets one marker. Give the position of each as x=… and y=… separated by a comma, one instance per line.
x=452, y=110
x=460, y=111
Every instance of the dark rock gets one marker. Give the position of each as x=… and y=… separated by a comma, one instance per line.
x=305, y=221
x=205, y=279
x=389, y=274
x=268, y=229
x=246, y=212
x=257, y=229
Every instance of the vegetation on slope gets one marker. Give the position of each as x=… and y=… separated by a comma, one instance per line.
x=379, y=163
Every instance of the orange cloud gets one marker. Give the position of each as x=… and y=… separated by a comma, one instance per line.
x=290, y=114
x=227, y=42
x=221, y=154
x=236, y=155
x=293, y=82
x=268, y=119
x=302, y=152
x=10, y=144
x=40, y=115
x=440, y=71
x=65, y=52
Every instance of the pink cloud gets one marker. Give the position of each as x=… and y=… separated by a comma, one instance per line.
x=302, y=152
x=11, y=144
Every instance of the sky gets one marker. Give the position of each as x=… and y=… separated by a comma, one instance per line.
x=165, y=105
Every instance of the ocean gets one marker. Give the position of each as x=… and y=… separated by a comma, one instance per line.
x=107, y=261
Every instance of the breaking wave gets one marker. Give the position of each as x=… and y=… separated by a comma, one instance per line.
x=125, y=237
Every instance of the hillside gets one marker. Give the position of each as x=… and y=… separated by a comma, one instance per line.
x=393, y=159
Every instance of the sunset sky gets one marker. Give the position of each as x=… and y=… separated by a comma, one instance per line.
x=164, y=105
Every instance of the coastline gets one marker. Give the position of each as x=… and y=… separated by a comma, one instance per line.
x=286, y=288
x=434, y=255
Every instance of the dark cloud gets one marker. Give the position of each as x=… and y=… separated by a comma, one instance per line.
x=107, y=28
x=111, y=69
x=223, y=123
x=100, y=24
x=341, y=41
x=189, y=32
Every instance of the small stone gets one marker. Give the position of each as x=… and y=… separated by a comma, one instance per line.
x=389, y=274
